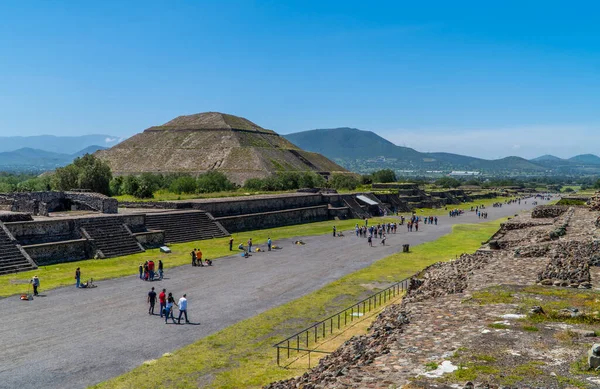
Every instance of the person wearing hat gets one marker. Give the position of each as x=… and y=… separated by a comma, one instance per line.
x=35, y=281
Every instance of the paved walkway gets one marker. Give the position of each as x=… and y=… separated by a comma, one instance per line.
x=72, y=338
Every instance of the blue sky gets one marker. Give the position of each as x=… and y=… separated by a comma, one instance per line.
x=489, y=80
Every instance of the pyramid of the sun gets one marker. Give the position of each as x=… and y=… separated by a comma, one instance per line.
x=198, y=143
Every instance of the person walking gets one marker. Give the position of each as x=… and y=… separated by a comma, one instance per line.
x=141, y=269
x=230, y=244
x=77, y=278
x=151, y=301
x=250, y=245
x=151, y=269
x=169, y=308
x=160, y=269
x=182, y=304
x=269, y=243
x=162, y=299
x=35, y=281
x=334, y=230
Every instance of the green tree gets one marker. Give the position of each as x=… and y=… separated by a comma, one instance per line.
x=87, y=172
x=448, y=182
x=116, y=186
x=344, y=181
x=214, y=181
x=384, y=175
x=183, y=184
x=311, y=180
x=253, y=184
x=366, y=179
x=130, y=186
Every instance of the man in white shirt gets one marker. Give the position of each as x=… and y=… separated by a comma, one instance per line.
x=182, y=309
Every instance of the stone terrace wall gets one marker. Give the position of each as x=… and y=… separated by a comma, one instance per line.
x=41, y=203
x=548, y=211
x=263, y=220
x=235, y=206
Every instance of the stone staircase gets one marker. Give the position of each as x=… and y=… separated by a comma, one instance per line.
x=110, y=236
x=12, y=259
x=357, y=211
x=185, y=226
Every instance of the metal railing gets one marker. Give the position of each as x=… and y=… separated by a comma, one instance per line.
x=302, y=341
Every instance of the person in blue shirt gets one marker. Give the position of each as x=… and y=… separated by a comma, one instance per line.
x=269, y=243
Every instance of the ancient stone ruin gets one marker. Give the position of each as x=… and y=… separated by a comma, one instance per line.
x=207, y=141
x=487, y=317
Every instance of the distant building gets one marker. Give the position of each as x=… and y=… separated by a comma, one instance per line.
x=463, y=173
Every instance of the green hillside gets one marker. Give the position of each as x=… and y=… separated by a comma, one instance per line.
x=353, y=149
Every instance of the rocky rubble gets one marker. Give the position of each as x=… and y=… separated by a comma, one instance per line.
x=548, y=211
x=356, y=352
x=444, y=278
x=594, y=202
x=444, y=312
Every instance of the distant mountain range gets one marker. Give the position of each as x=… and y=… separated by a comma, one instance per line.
x=35, y=160
x=364, y=151
x=57, y=144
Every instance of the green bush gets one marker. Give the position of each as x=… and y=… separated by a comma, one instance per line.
x=130, y=185
x=448, y=182
x=183, y=184
x=87, y=172
x=344, y=181
x=383, y=176
x=253, y=184
x=214, y=181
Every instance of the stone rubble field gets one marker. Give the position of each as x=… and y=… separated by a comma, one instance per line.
x=521, y=312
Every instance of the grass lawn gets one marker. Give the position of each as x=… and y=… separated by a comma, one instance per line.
x=63, y=274
x=242, y=356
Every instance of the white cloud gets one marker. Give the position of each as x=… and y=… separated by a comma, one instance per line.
x=110, y=140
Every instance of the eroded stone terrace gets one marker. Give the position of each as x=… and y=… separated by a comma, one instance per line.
x=494, y=316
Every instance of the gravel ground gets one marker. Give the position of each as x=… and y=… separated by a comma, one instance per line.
x=72, y=338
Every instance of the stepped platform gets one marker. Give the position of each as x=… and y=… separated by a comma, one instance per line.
x=12, y=260
x=185, y=226
x=111, y=236
x=356, y=209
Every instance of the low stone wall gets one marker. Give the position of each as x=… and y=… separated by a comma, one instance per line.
x=41, y=203
x=58, y=252
x=548, y=211
x=150, y=239
x=55, y=229
x=341, y=213
x=263, y=220
x=236, y=206
x=7, y=217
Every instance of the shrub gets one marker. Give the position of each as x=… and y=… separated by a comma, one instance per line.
x=87, y=172
x=253, y=184
x=384, y=175
x=214, y=181
x=183, y=184
x=116, y=186
x=344, y=181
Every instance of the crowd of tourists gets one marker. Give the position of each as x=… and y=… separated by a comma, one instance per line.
x=148, y=270
x=167, y=305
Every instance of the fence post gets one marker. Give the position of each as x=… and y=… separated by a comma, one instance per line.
x=307, y=339
x=298, y=343
x=338, y=321
x=278, y=356
x=288, y=347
